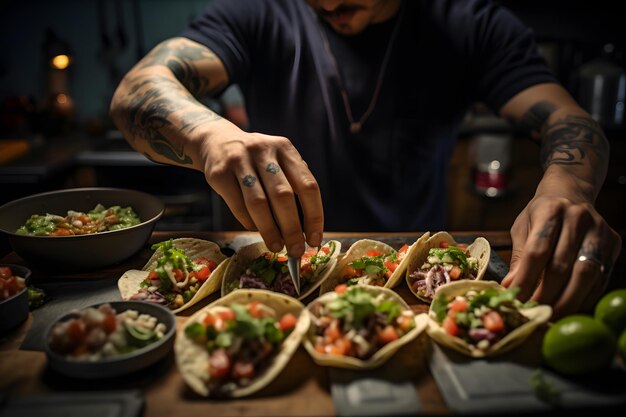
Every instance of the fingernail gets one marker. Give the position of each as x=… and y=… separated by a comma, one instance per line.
x=276, y=246
x=315, y=239
x=296, y=250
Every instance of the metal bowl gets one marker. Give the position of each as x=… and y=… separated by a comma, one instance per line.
x=82, y=251
x=14, y=310
x=122, y=364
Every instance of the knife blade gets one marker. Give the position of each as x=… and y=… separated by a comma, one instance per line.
x=293, y=264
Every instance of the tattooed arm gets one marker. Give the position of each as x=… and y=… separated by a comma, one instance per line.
x=563, y=249
x=157, y=108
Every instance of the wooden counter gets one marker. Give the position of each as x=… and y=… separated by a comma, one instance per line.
x=302, y=389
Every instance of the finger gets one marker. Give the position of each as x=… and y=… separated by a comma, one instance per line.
x=283, y=204
x=257, y=205
x=576, y=222
x=229, y=189
x=308, y=191
x=534, y=255
x=585, y=275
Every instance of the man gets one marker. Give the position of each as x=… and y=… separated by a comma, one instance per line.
x=371, y=93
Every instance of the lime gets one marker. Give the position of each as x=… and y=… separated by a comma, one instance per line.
x=611, y=309
x=578, y=344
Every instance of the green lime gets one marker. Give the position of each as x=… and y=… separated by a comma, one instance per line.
x=621, y=345
x=611, y=309
x=578, y=344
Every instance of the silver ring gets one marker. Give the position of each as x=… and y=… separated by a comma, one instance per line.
x=591, y=258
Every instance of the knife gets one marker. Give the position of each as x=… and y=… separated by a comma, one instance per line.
x=293, y=264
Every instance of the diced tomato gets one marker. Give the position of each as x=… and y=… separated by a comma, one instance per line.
x=350, y=272
x=76, y=330
x=228, y=314
x=11, y=286
x=84, y=219
x=243, y=370
x=60, y=231
x=325, y=249
x=109, y=324
x=179, y=275
x=462, y=246
x=404, y=248
x=493, y=322
x=209, y=320
x=219, y=364
x=306, y=268
x=374, y=252
x=203, y=274
x=443, y=245
x=405, y=322
x=415, y=285
x=320, y=346
x=256, y=310
x=332, y=332
x=388, y=274
x=459, y=304
x=390, y=265
x=287, y=322
x=450, y=326
x=153, y=276
x=341, y=346
x=341, y=288
x=5, y=272
x=281, y=258
x=387, y=334
x=455, y=272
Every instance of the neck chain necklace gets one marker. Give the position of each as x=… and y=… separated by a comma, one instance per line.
x=357, y=125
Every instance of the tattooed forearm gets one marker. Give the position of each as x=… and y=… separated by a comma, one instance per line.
x=570, y=140
x=534, y=119
x=182, y=59
x=151, y=103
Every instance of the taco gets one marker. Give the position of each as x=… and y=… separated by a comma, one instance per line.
x=239, y=343
x=482, y=318
x=360, y=326
x=255, y=266
x=439, y=260
x=180, y=273
x=371, y=262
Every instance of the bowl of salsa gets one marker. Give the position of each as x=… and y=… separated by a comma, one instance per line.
x=80, y=228
x=13, y=296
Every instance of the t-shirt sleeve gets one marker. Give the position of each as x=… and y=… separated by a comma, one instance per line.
x=226, y=27
x=503, y=54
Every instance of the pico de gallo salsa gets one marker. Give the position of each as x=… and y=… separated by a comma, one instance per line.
x=176, y=278
x=356, y=323
x=480, y=318
x=100, y=332
x=444, y=264
x=10, y=284
x=241, y=339
x=375, y=268
x=100, y=219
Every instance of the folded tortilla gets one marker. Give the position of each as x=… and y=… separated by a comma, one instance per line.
x=538, y=315
x=192, y=359
x=479, y=249
x=383, y=354
x=359, y=249
x=241, y=260
x=129, y=283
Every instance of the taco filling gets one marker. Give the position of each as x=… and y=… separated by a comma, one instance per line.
x=176, y=278
x=375, y=268
x=444, y=264
x=480, y=318
x=357, y=323
x=270, y=272
x=240, y=339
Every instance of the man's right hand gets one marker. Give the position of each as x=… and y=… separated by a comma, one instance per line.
x=259, y=177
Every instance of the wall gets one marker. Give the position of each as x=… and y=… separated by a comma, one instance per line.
x=95, y=71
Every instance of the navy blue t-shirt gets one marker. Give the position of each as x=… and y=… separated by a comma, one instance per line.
x=392, y=176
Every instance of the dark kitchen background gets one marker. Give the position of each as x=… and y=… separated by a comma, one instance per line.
x=61, y=61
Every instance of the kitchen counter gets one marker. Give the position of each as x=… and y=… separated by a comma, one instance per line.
x=302, y=389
